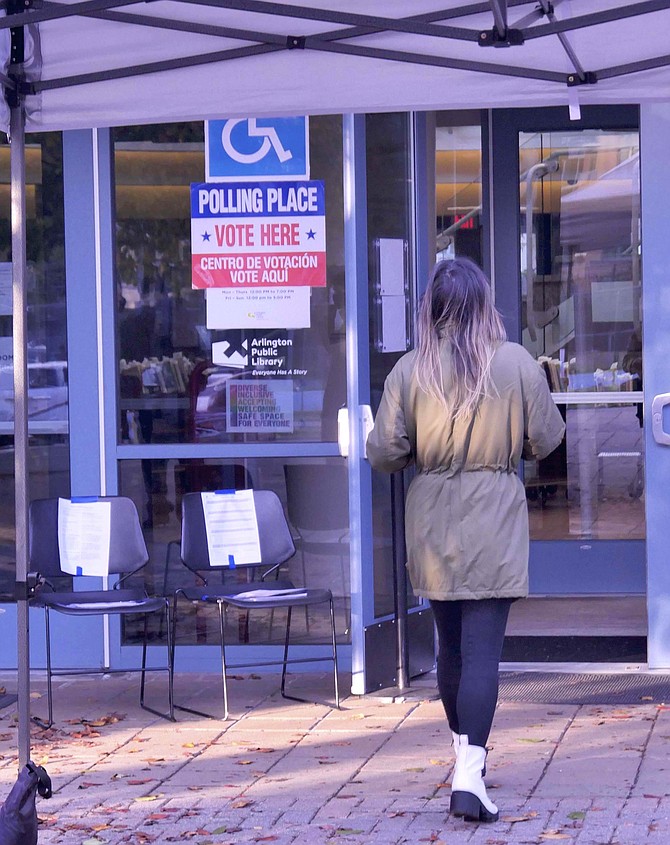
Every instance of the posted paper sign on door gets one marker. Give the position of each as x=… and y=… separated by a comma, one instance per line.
x=249, y=235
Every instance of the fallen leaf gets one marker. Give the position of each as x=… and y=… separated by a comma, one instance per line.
x=438, y=762
x=241, y=803
x=139, y=781
x=529, y=739
x=554, y=834
x=149, y=797
x=577, y=815
x=525, y=818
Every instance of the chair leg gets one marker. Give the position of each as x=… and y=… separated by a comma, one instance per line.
x=49, y=722
x=222, y=631
x=144, y=659
x=143, y=671
x=286, y=644
x=170, y=654
x=181, y=707
x=334, y=636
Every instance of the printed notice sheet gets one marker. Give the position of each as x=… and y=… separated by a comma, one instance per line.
x=232, y=528
x=83, y=537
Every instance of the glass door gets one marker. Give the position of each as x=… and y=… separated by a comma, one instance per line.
x=572, y=295
x=582, y=320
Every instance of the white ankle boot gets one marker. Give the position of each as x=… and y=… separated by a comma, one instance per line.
x=468, y=793
x=456, y=740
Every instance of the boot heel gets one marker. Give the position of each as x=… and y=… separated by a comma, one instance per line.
x=468, y=806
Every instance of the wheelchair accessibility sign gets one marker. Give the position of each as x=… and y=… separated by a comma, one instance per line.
x=257, y=149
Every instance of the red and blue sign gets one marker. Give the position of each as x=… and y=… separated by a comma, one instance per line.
x=258, y=234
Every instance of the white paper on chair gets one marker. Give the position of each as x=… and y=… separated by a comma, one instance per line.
x=232, y=528
x=268, y=595
x=84, y=530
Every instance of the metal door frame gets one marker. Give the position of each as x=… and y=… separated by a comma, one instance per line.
x=549, y=558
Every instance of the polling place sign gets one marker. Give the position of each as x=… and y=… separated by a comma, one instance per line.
x=248, y=234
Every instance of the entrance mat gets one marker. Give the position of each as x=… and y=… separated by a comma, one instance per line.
x=574, y=688
x=574, y=649
x=6, y=699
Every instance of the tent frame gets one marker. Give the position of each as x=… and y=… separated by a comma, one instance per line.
x=354, y=26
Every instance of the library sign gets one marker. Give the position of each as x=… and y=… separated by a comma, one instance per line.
x=251, y=235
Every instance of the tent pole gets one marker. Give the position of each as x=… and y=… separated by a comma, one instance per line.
x=18, y=204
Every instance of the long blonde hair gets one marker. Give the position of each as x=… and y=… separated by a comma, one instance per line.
x=457, y=308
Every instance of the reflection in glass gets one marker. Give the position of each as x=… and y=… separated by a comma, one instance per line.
x=389, y=187
x=180, y=381
x=581, y=318
x=580, y=258
x=314, y=493
x=458, y=186
x=48, y=442
x=592, y=487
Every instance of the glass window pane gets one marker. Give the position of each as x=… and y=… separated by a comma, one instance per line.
x=458, y=186
x=314, y=493
x=48, y=442
x=582, y=320
x=389, y=194
x=592, y=486
x=171, y=387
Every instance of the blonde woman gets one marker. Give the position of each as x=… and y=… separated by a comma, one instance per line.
x=465, y=407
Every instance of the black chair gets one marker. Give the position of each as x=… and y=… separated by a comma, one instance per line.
x=276, y=547
x=127, y=555
x=194, y=476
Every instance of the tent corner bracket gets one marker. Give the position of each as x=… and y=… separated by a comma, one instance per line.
x=574, y=79
x=295, y=42
x=492, y=38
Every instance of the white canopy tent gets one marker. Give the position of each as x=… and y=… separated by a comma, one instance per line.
x=68, y=65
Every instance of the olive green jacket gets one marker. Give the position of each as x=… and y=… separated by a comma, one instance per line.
x=466, y=513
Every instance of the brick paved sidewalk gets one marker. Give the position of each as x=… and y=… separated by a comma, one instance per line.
x=373, y=772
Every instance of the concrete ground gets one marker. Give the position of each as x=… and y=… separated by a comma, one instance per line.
x=375, y=772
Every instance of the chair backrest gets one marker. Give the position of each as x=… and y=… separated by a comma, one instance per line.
x=127, y=549
x=317, y=496
x=193, y=476
x=275, y=537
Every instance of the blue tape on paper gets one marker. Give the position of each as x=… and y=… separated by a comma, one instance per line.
x=77, y=499
x=225, y=492
x=80, y=571
x=231, y=561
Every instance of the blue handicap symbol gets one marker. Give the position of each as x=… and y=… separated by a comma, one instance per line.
x=257, y=148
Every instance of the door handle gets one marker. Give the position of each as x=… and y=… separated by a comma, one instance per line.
x=366, y=420
x=659, y=402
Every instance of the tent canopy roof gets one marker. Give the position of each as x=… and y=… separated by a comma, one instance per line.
x=114, y=62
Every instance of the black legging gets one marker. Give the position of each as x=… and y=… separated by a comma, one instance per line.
x=470, y=637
